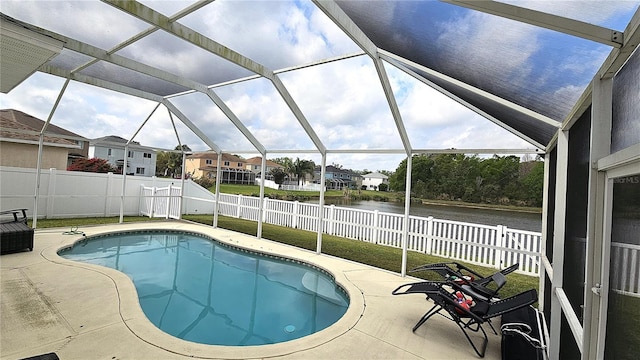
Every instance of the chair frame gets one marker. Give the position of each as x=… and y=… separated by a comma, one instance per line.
x=465, y=318
x=453, y=271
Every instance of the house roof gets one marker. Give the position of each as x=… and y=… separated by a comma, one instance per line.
x=18, y=126
x=375, y=175
x=257, y=160
x=210, y=155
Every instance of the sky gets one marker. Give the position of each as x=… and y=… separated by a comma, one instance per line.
x=343, y=101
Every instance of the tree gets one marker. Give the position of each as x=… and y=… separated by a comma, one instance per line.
x=300, y=168
x=169, y=163
x=92, y=165
x=383, y=187
x=278, y=175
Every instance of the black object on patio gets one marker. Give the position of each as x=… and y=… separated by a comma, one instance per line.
x=484, y=287
x=446, y=303
x=15, y=234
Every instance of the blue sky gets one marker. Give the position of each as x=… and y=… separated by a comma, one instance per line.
x=343, y=101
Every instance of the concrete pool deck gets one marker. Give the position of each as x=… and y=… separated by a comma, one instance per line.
x=82, y=311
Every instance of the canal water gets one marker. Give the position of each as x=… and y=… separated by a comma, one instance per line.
x=512, y=219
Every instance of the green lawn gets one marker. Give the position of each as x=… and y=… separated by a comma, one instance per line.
x=379, y=256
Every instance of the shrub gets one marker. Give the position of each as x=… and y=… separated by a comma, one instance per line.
x=205, y=182
x=93, y=165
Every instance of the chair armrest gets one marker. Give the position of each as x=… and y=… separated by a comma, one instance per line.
x=16, y=215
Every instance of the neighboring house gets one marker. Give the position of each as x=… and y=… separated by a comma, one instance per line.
x=337, y=178
x=205, y=165
x=20, y=138
x=141, y=160
x=255, y=165
x=372, y=181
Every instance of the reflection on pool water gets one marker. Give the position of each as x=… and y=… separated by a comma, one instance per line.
x=203, y=291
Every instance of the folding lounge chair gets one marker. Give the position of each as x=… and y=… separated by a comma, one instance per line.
x=446, y=304
x=484, y=287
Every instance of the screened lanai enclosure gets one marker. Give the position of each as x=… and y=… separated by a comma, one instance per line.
x=370, y=83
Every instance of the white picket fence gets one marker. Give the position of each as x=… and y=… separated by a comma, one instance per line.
x=494, y=246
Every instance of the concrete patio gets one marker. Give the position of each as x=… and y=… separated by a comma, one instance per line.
x=82, y=311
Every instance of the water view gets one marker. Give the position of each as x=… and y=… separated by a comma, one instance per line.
x=513, y=219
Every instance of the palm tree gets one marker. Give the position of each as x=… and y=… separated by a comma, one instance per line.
x=300, y=168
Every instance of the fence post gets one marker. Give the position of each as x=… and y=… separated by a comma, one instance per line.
x=152, y=207
x=51, y=193
x=166, y=216
x=429, y=235
x=332, y=209
x=238, y=208
x=296, y=207
x=502, y=233
x=264, y=209
x=107, y=194
x=374, y=230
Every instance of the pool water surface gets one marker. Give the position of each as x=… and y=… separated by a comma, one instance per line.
x=200, y=290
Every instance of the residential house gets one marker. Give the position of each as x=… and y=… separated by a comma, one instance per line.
x=141, y=160
x=20, y=138
x=255, y=165
x=337, y=178
x=205, y=165
x=373, y=180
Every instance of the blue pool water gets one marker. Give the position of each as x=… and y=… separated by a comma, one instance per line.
x=200, y=290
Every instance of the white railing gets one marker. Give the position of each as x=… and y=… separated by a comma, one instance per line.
x=494, y=246
x=625, y=268
x=161, y=202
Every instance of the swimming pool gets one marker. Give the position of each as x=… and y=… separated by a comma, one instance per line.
x=201, y=290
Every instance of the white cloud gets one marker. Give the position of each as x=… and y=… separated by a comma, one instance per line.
x=343, y=101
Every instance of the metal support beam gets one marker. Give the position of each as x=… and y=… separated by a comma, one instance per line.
x=40, y=150
x=263, y=170
x=196, y=130
x=234, y=119
x=601, y=119
x=335, y=13
x=155, y=18
x=284, y=93
x=489, y=96
x=216, y=208
x=558, y=243
x=618, y=57
x=545, y=20
x=405, y=221
x=100, y=83
x=323, y=174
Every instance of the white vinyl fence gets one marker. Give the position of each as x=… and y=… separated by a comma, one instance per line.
x=494, y=246
x=161, y=202
x=67, y=194
x=80, y=194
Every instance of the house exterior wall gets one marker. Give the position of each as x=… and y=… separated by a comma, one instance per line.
x=373, y=182
x=26, y=156
x=142, y=162
x=193, y=167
